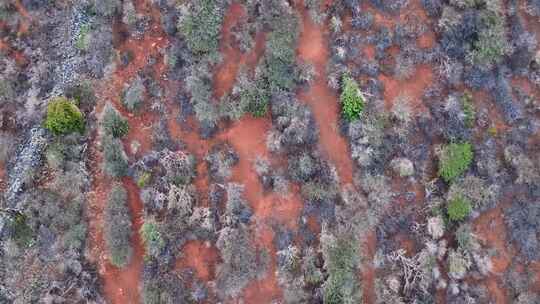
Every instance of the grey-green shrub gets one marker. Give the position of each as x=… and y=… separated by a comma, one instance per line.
x=118, y=227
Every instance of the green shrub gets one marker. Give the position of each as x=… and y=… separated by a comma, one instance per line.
x=133, y=96
x=21, y=232
x=468, y=110
x=458, y=208
x=83, y=38
x=340, y=258
x=63, y=117
x=152, y=238
x=113, y=123
x=115, y=159
x=202, y=26
x=351, y=98
x=143, y=179
x=491, y=45
x=455, y=158
x=118, y=227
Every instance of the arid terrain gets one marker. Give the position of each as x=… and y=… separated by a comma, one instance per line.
x=270, y=151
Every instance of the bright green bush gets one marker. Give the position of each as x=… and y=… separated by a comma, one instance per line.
x=63, y=117
x=352, y=101
x=458, y=208
x=455, y=158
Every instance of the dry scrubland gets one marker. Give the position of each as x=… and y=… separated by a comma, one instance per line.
x=270, y=151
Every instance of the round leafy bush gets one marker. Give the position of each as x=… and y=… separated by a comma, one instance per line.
x=454, y=160
x=459, y=208
x=351, y=99
x=63, y=117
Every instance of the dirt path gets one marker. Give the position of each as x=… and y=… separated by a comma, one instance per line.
x=121, y=285
x=233, y=58
x=324, y=103
x=312, y=48
x=491, y=230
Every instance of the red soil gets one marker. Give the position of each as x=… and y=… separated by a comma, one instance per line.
x=413, y=87
x=24, y=26
x=18, y=56
x=490, y=228
x=369, y=51
x=483, y=99
x=202, y=257
x=248, y=139
x=312, y=48
x=233, y=59
x=267, y=289
x=426, y=40
x=367, y=272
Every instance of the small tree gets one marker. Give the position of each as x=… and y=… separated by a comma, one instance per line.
x=455, y=158
x=351, y=98
x=63, y=117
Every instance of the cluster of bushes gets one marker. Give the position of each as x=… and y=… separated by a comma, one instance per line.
x=341, y=260
x=242, y=262
x=201, y=27
x=114, y=127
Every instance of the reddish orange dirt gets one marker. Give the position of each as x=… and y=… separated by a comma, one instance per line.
x=368, y=273
x=267, y=289
x=247, y=138
x=24, y=26
x=200, y=256
x=491, y=230
x=312, y=48
x=413, y=88
x=233, y=59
